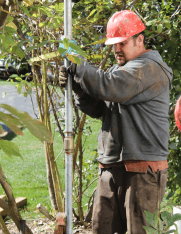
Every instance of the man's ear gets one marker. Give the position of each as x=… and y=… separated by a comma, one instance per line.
x=141, y=38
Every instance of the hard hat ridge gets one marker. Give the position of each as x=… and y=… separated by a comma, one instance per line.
x=122, y=25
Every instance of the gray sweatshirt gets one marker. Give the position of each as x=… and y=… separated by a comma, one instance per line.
x=133, y=101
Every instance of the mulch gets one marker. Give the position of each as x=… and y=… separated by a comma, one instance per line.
x=43, y=226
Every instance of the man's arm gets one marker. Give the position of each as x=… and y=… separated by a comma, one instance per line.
x=138, y=81
x=89, y=105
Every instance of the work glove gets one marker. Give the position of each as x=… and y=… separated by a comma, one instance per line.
x=63, y=77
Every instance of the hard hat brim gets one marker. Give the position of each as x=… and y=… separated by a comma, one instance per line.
x=115, y=40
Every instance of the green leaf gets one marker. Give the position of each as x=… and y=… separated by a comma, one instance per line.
x=92, y=12
x=31, y=48
x=159, y=28
x=174, y=218
x=11, y=123
x=173, y=145
x=77, y=49
x=45, y=57
x=9, y=148
x=18, y=78
x=19, y=88
x=156, y=218
x=78, y=61
x=71, y=58
x=44, y=43
x=44, y=10
x=37, y=128
x=61, y=50
x=149, y=218
x=171, y=231
x=166, y=216
x=41, y=24
x=99, y=42
x=25, y=94
x=168, y=25
x=10, y=19
x=150, y=230
x=20, y=52
x=29, y=91
x=14, y=75
x=9, y=30
x=66, y=43
x=151, y=22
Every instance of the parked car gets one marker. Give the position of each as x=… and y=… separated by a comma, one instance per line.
x=7, y=71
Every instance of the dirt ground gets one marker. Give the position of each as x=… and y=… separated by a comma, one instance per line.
x=43, y=226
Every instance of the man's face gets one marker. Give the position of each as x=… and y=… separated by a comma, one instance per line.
x=125, y=51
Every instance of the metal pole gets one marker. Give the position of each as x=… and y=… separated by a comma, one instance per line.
x=68, y=142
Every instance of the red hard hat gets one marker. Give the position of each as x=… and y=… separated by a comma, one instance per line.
x=177, y=113
x=122, y=25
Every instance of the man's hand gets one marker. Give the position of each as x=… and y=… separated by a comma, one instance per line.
x=63, y=73
x=63, y=77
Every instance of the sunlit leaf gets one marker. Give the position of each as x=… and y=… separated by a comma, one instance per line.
x=61, y=50
x=12, y=25
x=41, y=24
x=37, y=128
x=66, y=43
x=44, y=57
x=99, y=42
x=9, y=148
x=78, y=61
x=92, y=12
x=159, y=28
x=77, y=49
x=28, y=3
x=71, y=58
x=151, y=22
x=8, y=120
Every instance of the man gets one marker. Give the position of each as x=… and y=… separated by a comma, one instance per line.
x=133, y=101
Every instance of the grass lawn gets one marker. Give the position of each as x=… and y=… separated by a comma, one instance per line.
x=28, y=177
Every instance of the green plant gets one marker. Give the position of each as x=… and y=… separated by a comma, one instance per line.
x=161, y=222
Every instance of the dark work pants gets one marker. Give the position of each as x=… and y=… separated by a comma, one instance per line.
x=121, y=198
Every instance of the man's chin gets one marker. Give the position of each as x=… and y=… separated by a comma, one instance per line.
x=121, y=63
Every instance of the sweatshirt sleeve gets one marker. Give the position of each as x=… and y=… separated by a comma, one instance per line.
x=138, y=81
x=89, y=105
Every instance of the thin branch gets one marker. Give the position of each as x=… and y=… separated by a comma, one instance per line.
x=86, y=189
x=175, y=12
x=123, y=4
x=55, y=115
x=33, y=107
x=103, y=63
x=139, y=15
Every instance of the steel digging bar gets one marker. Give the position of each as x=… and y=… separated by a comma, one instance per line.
x=68, y=141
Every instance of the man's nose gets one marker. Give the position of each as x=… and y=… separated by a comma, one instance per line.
x=118, y=47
